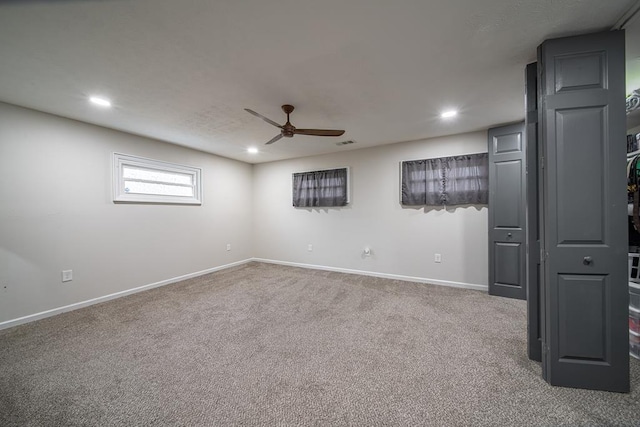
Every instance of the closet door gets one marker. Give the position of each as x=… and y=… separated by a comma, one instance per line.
x=533, y=161
x=584, y=322
x=507, y=212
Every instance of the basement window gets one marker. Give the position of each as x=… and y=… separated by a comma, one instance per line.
x=323, y=188
x=141, y=180
x=455, y=180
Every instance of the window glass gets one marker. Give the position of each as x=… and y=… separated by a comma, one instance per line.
x=141, y=180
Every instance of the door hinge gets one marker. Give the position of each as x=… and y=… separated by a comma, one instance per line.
x=541, y=162
x=542, y=255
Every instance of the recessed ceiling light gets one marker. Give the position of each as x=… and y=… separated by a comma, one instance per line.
x=449, y=114
x=252, y=150
x=100, y=101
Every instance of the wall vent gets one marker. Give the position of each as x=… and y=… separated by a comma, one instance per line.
x=345, y=142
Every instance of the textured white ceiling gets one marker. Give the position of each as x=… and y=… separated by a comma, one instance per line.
x=183, y=71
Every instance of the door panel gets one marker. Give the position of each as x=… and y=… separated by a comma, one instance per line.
x=507, y=143
x=507, y=255
x=533, y=235
x=507, y=268
x=584, y=234
x=508, y=186
x=582, y=320
x=581, y=214
x=579, y=71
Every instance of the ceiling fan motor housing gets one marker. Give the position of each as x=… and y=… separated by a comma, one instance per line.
x=288, y=130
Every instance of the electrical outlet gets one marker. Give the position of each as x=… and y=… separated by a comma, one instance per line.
x=437, y=258
x=67, y=275
x=310, y=247
x=228, y=246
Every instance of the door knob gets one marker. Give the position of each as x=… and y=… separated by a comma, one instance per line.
x=587, y=260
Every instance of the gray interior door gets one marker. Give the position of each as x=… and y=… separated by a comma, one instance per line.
x=533, y=160
x=507, y=211
x=584, y=288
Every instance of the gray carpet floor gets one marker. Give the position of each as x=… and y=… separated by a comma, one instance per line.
x=263, y=344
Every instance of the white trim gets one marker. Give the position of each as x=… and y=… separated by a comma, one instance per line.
x=75, y=306
x=48, y=313
x=400, y=182
x=472, y=286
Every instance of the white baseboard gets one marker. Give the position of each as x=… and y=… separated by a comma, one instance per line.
x=71, y=307
x=382, y=275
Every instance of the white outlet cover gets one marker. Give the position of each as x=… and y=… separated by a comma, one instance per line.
x=310, y=248
x=228, y=246
x=437, y=258
x=67, y=275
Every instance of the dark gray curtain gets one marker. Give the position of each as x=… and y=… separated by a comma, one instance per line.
x=467, y=180
x=320, y=188
x=457, y=180
x=422, y=182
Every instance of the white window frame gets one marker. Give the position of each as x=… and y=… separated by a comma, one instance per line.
x=121, y=196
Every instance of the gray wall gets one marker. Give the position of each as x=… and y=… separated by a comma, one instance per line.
x=403, y=240
x=56, y=213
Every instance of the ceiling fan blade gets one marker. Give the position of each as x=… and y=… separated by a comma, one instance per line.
x=274, y=139
x=319, y=132
x=263, y=118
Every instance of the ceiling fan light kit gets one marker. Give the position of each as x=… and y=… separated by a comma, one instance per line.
x=288, y=130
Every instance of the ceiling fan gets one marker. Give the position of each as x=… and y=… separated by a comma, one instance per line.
x=289, y=130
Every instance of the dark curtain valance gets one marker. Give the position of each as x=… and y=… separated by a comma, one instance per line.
x=455, y=180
